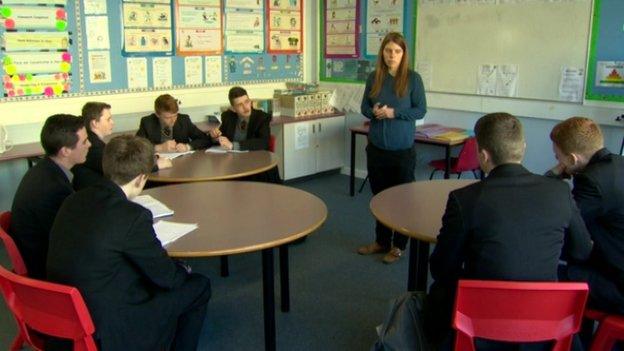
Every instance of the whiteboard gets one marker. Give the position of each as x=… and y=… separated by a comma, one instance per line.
x=539, y=36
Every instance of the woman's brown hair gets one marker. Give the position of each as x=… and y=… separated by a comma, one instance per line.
x=381, y=69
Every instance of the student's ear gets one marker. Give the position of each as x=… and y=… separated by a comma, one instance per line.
x=64, y=152
x=140, y=180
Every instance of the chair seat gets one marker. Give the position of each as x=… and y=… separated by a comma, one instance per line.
x=441, y=164
x=595, y=314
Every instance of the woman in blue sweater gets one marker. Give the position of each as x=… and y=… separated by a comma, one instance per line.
x=393, y=100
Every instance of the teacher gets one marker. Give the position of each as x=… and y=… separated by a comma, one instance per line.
x=394, y=98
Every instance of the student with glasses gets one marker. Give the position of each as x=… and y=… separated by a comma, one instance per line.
x=169, y=130
x=242, y=126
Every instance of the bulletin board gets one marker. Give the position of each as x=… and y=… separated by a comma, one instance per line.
x=518, y=49
x=352, y=30
x=63, y=48
x=605, y=78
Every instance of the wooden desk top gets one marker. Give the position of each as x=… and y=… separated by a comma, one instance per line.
x=364, y=129
x=415, y=209
x=236, y=217
x=204, y=166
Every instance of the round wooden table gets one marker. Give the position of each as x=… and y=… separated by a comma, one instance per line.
x=239, y=217
x=415, y=209
x=205, y=166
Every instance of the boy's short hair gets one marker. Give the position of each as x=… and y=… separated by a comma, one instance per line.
x=126, y=157
x=92, y=111
x=501, y=134
x=579, y=135
x=60, y=131
x=236, y=92
x=166, y=103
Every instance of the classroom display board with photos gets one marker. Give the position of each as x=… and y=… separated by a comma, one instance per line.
x=352, y=30
x=605, y=78
x=56, y=48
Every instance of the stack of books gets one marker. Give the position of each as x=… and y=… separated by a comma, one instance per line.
x=436, y=131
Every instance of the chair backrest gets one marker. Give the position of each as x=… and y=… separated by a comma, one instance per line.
x=14, y=255
x=272, y=143
x=49, y=308
x=518, y=312
x=468, y=158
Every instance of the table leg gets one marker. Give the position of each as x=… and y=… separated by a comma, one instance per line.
x=418, y=265
x=268, y=296
x=284, y=281
x=225, y=267
x=412, y=267
x=423, y=266
x=447, y=158
x=352, y=171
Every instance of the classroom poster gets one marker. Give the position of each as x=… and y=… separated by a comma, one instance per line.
x=244, y=28
x=147, y=28
x=193, y=71
x=341, y=28
x=382, y=17
x=198, y=27
x=35, y=57
x=285, y=26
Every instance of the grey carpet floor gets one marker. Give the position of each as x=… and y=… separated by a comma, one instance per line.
x=337, y=296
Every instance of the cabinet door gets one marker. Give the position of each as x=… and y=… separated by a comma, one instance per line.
x=331, y=143
x=299, y=149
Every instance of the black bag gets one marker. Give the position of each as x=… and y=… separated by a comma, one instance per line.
x=403, y=327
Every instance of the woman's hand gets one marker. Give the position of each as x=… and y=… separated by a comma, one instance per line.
x=382, y=112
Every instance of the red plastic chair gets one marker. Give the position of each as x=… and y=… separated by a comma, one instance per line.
x=52, y=309
x=610, y=330
x=467, y=160
x=272, y=143
x=18, y=265
x=518, y=312
x=14, y=255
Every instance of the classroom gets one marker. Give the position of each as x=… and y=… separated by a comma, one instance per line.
x=541, y=61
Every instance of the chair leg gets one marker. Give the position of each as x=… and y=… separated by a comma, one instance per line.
x=432, y=173
x=225, y=267
x=459, y=175
x=363, y=183
x=475, y=174
x=18, y=342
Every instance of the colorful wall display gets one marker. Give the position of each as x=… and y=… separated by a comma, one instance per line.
x=36, y=60
x=57, y=48
x=605, y=71
x=350, y=42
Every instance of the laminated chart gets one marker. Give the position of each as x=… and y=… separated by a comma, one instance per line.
x=244, y=29
x=341, y=25
x=35, y=49
x=285, y=26
x=147, y=28
x=199, y=27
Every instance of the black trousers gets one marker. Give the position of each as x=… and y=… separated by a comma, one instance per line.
x=386, y=169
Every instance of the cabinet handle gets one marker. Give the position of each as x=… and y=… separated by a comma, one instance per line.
x=319, y=127
x=313, y=128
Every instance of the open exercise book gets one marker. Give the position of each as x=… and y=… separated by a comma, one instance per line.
x=157, y=208
x=220, y=150
x=172, y=155
x=168, y=232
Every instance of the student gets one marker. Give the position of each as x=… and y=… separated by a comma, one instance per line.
x=245, y=128
x=598, y=177
x=138, y=297
x=394, y=98
x=169, y=130
x=99, y=123
x=242, y=126
x=511, y=226
x=44, y=187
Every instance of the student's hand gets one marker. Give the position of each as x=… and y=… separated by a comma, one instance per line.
x=560, y=171
x=225, y=143
x=215, y=133
x=181, y=147
x=382, y=112
x=163, y=163
x=167, y=146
